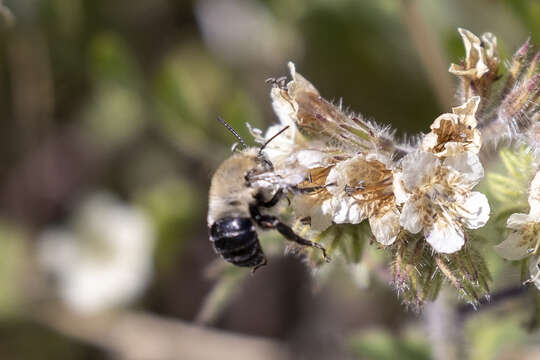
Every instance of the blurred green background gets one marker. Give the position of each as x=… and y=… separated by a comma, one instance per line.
x=121, y=98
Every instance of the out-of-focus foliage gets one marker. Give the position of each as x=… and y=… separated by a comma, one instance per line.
x=171, y=204
x=490, y=337
x=508, y=186
x=381, y=345
x=123, y=96
x=12, y=253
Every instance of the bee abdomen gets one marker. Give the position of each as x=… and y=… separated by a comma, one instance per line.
x=235, y=239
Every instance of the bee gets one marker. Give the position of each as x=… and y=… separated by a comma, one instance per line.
x=237, y=196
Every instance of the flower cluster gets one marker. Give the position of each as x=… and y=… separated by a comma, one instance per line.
x=418, y=197
x=352, y=166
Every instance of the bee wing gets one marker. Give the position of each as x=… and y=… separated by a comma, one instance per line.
x=318, y=119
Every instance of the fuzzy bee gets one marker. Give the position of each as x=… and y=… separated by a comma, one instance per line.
x=237, y=196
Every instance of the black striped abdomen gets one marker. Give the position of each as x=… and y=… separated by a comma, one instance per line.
x=235, y=239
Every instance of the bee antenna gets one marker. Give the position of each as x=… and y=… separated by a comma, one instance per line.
x=229, y=127
x=272, y=138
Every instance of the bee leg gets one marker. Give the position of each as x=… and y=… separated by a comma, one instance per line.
x=311, y=189
x=307, y=190
x=290, y=235
x=272, y=222
x=273, y=201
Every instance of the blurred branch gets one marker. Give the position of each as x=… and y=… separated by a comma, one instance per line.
x=32, y=84
x=431, y=55
x=137, y=335
x=445, y=328
x=495, y=299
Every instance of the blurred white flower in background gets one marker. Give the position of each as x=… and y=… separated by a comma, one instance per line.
x=244, y=32
x=104, y=259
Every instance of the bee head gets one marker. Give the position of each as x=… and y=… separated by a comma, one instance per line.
x=261, y=158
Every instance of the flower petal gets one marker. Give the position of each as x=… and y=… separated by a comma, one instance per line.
x=280, y=149
x=468, y=164
x=385, y=228
x=452, y=134
x=445, y=238
x=283, y=108
x=513, y=247
x=410, y=218
x=467, y=111
x=475, y=64
x=517, y=221
x=400, y=193
x=431, y=139
x=475, y=210
x=416, y=166
x=312, y=158
x=534, y=271
x=344, y=210
x=336, y=179
x=356, y=216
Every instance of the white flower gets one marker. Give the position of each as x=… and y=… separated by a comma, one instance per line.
x=437, y=198
x=104, y=260
x=524, y=238
x=480, y=56
x=308, y=204
x=361, y=188
x=534, y=271
x=481, y=64
x=455, y=133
